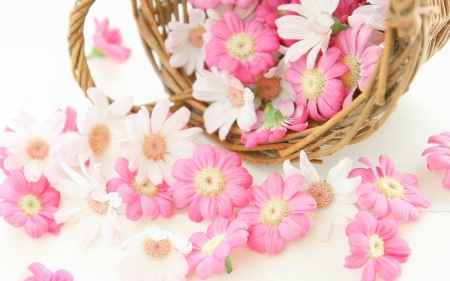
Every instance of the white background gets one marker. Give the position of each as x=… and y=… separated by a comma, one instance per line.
x=35, y=75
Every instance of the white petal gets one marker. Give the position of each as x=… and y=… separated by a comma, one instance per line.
x=142, y=121
x=71, y=213
x=87, y=229
x=181, y=149
x=300, y=48
x=346, y=210
x=346, y=186
x=7, y=138
x=53, y=125
x=156, y=233
x=87, y=119
x=16, y=161
x=20, y=128
x=29, y=120
x=77, y=178
x=340, y=171
x=299, y=9
x=100, y=100
x=121, y=106
x=72, y=189
x=290, y=170
x=187, y=134
x=159, y=115
x=175, y=122
x=133, y=128
x=154, y=172
x=340, y=222
x=323, y=228
x=32, y=170
x=166, y=172
x=307, y=169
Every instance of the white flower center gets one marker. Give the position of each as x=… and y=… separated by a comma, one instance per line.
x=351, y=78
x=212, y=244
x=312, y=84
x=30, y=204
x=100, y=208
x=274, y=211
x=196, y=36
x=210, y=182
x=147, y=189
x=157, y=249
x=99, y=139
x=322, y=192
x=38, y=148
x=154, y=147
x=270, y=88
x=241, y=46
x=376, y=246
x=391, y=188
x=236, y=96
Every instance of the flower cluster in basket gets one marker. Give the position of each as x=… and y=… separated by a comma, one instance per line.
x=110, y=166
x=273, y=66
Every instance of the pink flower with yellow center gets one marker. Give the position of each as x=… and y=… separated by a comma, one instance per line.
x=29, y=204
x=213, y=182
x=145, y=199
x=319, y=88
x=385, y=191
x=360, y=58
x=278, y=214
x=245, y=50
x=439, y=156
x=42, y=273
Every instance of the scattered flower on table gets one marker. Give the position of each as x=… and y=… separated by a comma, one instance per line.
x=277, y=214
x=212, y=182
x=385, y=191
x=153, y=255
x=42, y=273
x=90, y=205
x=154, y=144
x=108, y=42
x=210, y=254
x=439, y=156
x=376, y=245
x=34, y=145
x=29, y=204
x=335, y=197
x=147, y=199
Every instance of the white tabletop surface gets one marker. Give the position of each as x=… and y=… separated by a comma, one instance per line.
x=35, y=75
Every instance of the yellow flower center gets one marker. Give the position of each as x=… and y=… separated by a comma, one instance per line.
x=157, y=249
x=391, y=188
x=270, y=88
x=210, y=182
x=38, y=148
x=351, y=78
x=274, y=211
x=99, y=139
x=241, y=46
x=147, y=189
x=154, y=147
x=236, y=96
x=196, y=36
x=322, y=192
x=212, y=244
x=312, y=84
x=376, y=246
x=100, y=208
x=30, y=205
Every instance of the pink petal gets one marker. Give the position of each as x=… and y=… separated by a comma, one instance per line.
x=182, y=193
x=62, y=275
x=256, y=237
x=387, y=166
x=35, y=226
x=381, y=208
x=199, y=239
x=289, y=229
x=367, y=222
x=369, y=271
x=397, y=248
x=224, y=206
x=40, y=272
x=273, y=242
x=149, y=207
x=208, y=207
x=388, y=268
x=303, y=221
x=387, y=229
x=446, y=180
x=134, y=210
x=355, y=261
x=274, y=185
x=291, y=186
x=194, y=209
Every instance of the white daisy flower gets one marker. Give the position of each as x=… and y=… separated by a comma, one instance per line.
x=34, y=145
x=336, y=197
x=100, y=128
x=92, y=206
x=153, y=145
x=231, y=102
x=154, y=255
x=185, y=42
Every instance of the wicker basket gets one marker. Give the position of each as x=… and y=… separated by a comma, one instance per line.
x=416, y=30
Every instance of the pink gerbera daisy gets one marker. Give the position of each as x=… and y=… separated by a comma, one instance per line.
x=42, y=273
x=29, y=204
x=376, y=246
x=386, y=191
x=147, y=199
x=210, y=251
x=245, y=50
x=319, y=88
x=439, y=156
x=360, y=58
x=278, y=213
x=214, y=181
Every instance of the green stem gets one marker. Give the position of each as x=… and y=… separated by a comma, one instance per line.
x=95, y=53
x=228, y=265
x=338, y=26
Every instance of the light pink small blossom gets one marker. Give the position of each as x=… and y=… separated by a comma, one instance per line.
x=109, y=41
x=375, y=244
x=278, y=214
x=29, y=204
x=212, y=182
x=148, y=199
x=439, y=156
x=210, y=250
x=42, y=273
x=386, y=191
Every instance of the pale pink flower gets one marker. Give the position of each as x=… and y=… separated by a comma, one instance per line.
x=386, y=191
x=375, y=244
x=439, y=156
x=29, y=204
x=278, y=214
x=346, y=8
x=245, y=50
x=34, y=145
x=273, y=123
x=185, y=42
x=147, y=199
x=210, y=250
x=268, y=11
x=230, y=102
x=42, y=273
x=212, y=182
x=109, y=41
x=373, y=15
x=154, y=144
x=335, y=196
x=319, y=88
x=360, y=58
